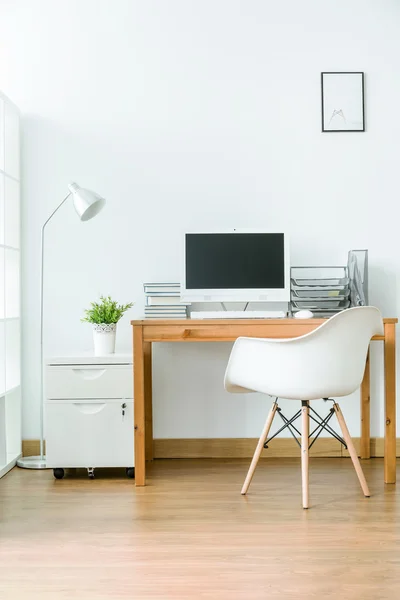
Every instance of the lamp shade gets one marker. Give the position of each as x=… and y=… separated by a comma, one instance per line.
x=87, y=203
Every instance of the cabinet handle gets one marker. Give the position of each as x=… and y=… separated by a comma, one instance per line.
x=89, y=374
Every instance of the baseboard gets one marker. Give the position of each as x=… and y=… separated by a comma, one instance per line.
x=240, y=448
x=32, y=447
x=244, y=448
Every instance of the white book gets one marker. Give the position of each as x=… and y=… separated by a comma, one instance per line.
x=161, y=287
x=165, y=312
x=176, y=294
x=165, y=317
x=165, y=301
x=161, y=316
x=162, y=283
x=165, y=308
x=161, y=312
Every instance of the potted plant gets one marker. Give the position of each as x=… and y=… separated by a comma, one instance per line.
x=104, y=316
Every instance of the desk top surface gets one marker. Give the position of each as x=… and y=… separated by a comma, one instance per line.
x=197, y=322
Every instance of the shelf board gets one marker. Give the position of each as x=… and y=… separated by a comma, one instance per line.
x=11, y=461
x=88, y=358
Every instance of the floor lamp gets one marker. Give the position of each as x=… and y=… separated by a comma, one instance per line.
x=87, y=205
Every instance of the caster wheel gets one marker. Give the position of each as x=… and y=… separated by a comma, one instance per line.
x=91, y=473
x=58, y=473
x=130, y=471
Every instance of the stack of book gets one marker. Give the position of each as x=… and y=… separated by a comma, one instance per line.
x=163, y=301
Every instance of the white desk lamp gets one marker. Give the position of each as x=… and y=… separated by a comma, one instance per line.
x=87, y=205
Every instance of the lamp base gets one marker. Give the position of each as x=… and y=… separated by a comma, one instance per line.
x=32, y=462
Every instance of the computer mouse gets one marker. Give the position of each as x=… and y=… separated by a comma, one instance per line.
x=304, y=314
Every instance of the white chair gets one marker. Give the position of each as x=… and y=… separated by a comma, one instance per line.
x=327, y=362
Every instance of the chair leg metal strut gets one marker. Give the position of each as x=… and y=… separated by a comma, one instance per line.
x=307, y=413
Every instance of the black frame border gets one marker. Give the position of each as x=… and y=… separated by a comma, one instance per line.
x=322, y=101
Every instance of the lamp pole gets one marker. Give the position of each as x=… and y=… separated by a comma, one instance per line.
x=87, y=205
x=42, y=457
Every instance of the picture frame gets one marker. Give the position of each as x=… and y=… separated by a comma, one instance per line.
x=342, y=101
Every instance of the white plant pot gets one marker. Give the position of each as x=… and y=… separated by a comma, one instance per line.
x=104, y=338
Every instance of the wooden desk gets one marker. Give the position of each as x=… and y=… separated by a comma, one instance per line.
x=147, y=331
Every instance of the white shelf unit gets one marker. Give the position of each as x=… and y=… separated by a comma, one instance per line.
x=10, y=298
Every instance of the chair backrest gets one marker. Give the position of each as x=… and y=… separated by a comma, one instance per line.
x=329, y=361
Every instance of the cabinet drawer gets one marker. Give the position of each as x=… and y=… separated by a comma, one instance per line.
x=89, y=433
x=89, y=381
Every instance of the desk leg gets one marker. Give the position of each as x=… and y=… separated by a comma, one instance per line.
x=365, y=445
x=148, y=400
x=139, y=404
x=390, y=403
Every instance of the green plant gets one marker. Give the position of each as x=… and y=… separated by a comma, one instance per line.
x=106, y=311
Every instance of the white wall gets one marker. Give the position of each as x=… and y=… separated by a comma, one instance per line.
x=195, y=115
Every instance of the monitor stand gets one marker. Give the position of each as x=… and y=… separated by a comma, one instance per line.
x=238, y=314
x=224, y=307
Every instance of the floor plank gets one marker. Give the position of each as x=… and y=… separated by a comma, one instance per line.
x=190, y=534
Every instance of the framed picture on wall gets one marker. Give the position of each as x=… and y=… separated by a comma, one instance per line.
x=342, y=97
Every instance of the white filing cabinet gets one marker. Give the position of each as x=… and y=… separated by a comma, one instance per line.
x=89, y=413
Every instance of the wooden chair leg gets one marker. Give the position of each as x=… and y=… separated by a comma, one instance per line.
x=305, y=422
x=351, y=449
x=259, y=448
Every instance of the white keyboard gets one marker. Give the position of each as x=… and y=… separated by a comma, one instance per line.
x=238, y=314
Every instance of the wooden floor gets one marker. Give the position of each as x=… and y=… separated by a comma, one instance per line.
x=190, y=534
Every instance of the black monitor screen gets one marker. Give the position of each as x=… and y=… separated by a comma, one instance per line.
x=235, y=261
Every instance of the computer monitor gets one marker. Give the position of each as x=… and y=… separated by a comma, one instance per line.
x=236, y=266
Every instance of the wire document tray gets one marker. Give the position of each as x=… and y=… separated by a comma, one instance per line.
x=326, y=290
